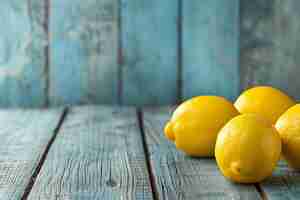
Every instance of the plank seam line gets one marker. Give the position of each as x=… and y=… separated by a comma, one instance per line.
x=261, y=192
x=146, y=151
x=120, y=55
x=44, y=156
x=239, y=62
x=47, y=52
x=179, y=51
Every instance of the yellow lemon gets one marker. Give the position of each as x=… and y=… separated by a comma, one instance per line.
x=248, y=148
x=195, y=124
x=288, y=126
x=264, y=100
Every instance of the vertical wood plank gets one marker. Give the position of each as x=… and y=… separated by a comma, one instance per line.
x=83, y=51
x=98, y=154
x=210, y=48
x=284, y=184
x=24, y=136
x=23, y=40
x=149, y=49
x=177, y=176
x=270, y=44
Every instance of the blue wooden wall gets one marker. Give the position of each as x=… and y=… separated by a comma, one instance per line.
x=141, y=52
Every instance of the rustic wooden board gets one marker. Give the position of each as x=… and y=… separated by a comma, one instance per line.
x=210, y=41
x=23, y=40
x=284, y=184
x=149, y=51
x=24, y=136
x=181, y=177
x=98, y=154
x=270, y=44
x=83, y=51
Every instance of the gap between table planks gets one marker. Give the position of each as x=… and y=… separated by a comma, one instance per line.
x=25, y=136
x=98, y=154
x=94, y=156
x=181, y=177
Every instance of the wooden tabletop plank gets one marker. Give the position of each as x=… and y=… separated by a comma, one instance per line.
x=83, y=51
x=149, y=51
x=24, y=137
x=181, y=177
x=98, y=154
x=284, y=184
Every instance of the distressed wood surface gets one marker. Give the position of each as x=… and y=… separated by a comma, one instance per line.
x=270, y=44
x=181, y=177
x=24, y=136
x=149, y=51
x=210, y=41
x=284, y=184
x=83, y=51
x=142, y=52
x=23, y=41
x=98, y=154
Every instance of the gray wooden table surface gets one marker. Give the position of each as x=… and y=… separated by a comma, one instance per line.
x=102, y=152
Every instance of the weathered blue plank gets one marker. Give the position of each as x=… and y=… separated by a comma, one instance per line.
x=98, y=155
x=270, y=44
x=23, y=41
x=149, y=49
x=284, y=184
x=83, y=51
x=24, y=135
x=210, y=41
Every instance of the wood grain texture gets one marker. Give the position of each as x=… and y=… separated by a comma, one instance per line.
x=149, y=51
x=24, y=136
x=210, y=42
x=98, y=154
x=284, y=184
x=270, y=44
x=181, y=177
x=83, y=51
x=22, y=53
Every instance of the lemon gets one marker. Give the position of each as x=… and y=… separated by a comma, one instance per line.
x=288, y=126
x=248, y=148
x=195, y=124
x=264, y=100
